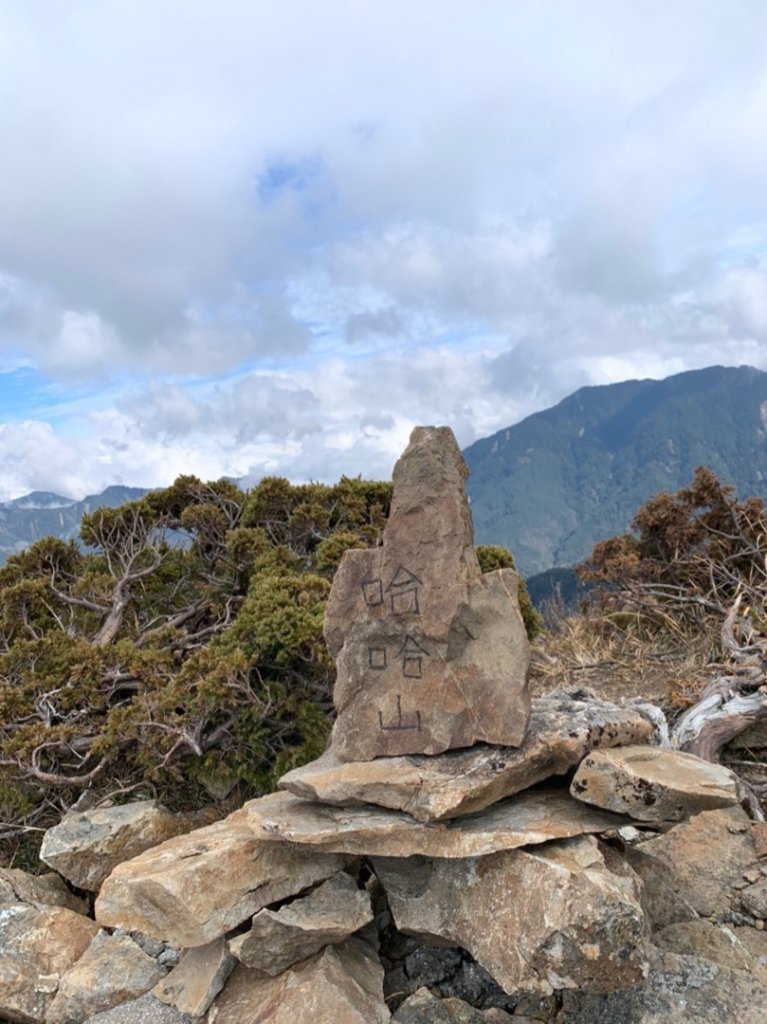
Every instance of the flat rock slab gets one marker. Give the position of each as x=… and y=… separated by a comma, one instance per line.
x=39, y=891
x=535, y=816
x=563, y=729
x=326, y=916
x=653, y=784
x=341, y=985
x=194, y=888
x=111, y=970
x=86, y=846
x=197, y=979
x=564, y=915
x=430, y=653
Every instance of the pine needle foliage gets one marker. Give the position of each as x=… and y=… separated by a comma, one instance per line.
x=177, y=651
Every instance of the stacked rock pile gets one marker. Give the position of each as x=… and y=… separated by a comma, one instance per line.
x=459, y=854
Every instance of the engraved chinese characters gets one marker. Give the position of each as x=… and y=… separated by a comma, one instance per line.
x=430, y=653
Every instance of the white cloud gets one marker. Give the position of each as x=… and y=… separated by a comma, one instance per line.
x=33, y=458
x=274, y=236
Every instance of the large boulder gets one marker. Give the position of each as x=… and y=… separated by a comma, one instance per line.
x=194, y=888
x=87, y=845
x=112, y=969
x=536, y=816
x=563, y=915
x=41, y=938
x=653, y=784
x=430, y=653
x=696, y=868
x=326, y=916
x=341, y=985
x=563, y=728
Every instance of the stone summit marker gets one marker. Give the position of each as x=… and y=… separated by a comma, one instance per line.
x=431, y=654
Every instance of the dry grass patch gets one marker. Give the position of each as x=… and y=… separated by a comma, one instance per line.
x=622, y=656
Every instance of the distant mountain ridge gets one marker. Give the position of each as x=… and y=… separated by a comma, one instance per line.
x=43, y=514
x=562, y=479
x=552, y=485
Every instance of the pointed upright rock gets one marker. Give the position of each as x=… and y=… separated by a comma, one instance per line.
x=431, y=654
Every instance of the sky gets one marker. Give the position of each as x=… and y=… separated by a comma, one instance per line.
x=246, y=237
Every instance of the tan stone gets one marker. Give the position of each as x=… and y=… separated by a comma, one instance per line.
x=564, y=915
x=39, y=891
x=754, y=940
x=653, y=784
x=563, y=729
x=430, y=653
x=754, y=899
x=424, y=1008
x=197, y=979
x=759, y=831
x=86, y=846
x=692, y=869
x=38, y=945
x=341, y=985
x=194, y=888
x=280, y=938
x=704, y=938
x=111, y=970
x=536, y=816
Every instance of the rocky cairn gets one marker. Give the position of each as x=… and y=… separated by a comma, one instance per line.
x=459, y=854
x=430, y=654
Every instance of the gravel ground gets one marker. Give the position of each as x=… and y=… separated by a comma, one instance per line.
x=146, y=1010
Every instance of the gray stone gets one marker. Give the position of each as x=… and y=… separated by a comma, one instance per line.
x=111, y=970
x=280, y=938
x=431, y=654
x=341, y=985
x=563, y=915
x=144, y=1010
x=533, y=817
x=86, y=846
x=169, y=957
x=200, y=975
x=563, y=728
x=429, y=965
x=653, y=784
x=194, y=888
x=679, y=990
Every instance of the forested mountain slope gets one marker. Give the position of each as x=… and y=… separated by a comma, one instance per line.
x=562, y=479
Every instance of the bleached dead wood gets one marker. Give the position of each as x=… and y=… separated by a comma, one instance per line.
x=727, y=706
